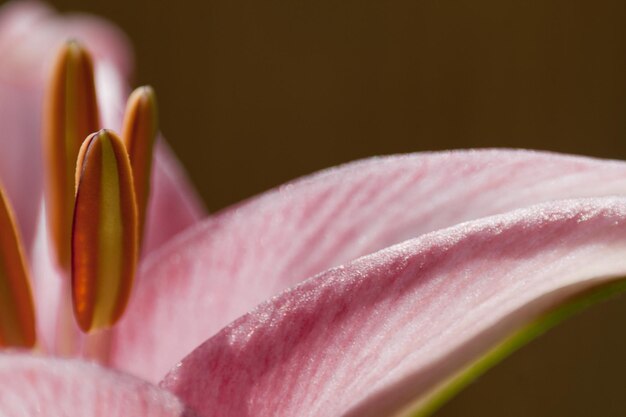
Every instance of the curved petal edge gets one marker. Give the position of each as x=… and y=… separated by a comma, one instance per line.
x=396, y=326
x=236, y=259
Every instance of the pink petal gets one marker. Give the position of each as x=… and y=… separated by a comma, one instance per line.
x=371, y=337
x=31, y=32
x=173, y=203
x=36, y=386
x=57, y=335
x=245, y=255
x=29, y=35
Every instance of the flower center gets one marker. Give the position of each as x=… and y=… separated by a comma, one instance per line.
x=97, y=188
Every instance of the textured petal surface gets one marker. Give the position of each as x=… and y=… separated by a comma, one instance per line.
x=245, y=255
x=388, y=328
x=29, y=36
x=35, y=386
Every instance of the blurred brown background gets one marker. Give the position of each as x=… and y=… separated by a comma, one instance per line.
x=254, y=93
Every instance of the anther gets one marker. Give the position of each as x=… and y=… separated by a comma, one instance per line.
x=104, y=234
x=17, y=316
x=71, y=114
x=139, y=133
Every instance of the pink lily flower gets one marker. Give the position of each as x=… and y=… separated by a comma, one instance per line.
x=380, y=287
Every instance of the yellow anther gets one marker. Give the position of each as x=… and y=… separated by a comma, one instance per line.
x=17, y=316
x=139, y=133
x=104, y=235
x=71, y=114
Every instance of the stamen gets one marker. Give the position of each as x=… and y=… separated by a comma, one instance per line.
x=104, y=235
x=71, y=114
x=17, y=316
x=139, y=133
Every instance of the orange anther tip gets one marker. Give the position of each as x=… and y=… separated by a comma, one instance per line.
x=104, y=234
x=71, y=113
x=139, y=134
